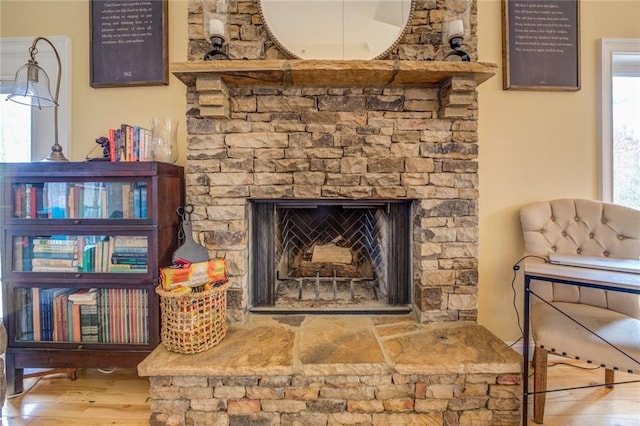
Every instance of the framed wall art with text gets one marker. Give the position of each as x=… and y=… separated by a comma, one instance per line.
x=129, y=42
x=541, y=45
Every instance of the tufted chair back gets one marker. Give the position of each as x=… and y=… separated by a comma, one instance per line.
x=586, y=228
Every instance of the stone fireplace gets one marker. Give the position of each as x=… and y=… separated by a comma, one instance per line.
x=398, y=131
x=402, y=129
x=284, y=158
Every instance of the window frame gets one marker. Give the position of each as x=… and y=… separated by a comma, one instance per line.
x=607, y=47
x=14, y=53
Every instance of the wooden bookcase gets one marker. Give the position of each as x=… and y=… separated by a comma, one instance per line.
x=82, y=245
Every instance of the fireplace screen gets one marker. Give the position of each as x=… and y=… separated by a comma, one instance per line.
x=339, y=255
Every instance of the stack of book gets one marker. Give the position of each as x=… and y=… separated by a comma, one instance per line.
x=129, y=254
x=54, y=255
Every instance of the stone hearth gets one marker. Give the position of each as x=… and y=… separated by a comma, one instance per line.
x=329, y=370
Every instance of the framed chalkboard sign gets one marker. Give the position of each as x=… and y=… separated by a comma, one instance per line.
x=541, y=45
x=128, y=43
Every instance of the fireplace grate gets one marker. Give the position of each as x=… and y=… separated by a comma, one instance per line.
x=358, y=233
x=331, y=255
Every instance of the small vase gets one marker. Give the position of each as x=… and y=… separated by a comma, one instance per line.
x=164, y=144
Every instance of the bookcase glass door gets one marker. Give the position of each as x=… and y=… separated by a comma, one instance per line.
x=94, y=315
x=80, y=253
x=80, y=200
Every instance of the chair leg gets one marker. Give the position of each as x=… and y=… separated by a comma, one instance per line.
x=539, y=383
x=609, y=378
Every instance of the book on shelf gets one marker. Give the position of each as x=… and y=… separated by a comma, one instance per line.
x=46, y=314
x=55, y=199
x=54, y=268
x=114, y=204
x=139, y=200
x=129, y=143
x=123, y=241
x=104, y=315
x=35, y=313
x=60, y=298
x=77, y=300
x=21, y=254
x=129, y=258
x=73, y=201
x=24, y=329
x=58, y=241
x=28, y=201
x=89, y=322
x=92, y=200
x=54, y=262
x=128, y=269
x=38, y=254
x=18, y=199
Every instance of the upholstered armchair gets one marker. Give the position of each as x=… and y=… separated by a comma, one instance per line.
x=584, y=228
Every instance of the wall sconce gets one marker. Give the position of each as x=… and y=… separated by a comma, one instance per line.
x=456, y=36
x=32, y=89
x=215, y=33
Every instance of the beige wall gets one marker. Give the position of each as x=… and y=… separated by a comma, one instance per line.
x=94, y=111
x=533, y=145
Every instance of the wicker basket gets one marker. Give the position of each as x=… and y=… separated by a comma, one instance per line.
x=193, y=322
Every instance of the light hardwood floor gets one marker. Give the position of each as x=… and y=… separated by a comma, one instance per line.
x=596, y=406
x=95, y=398
x=121, y=398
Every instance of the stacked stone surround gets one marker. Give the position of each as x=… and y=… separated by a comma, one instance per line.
x=334, y=142
x=389, y=399
x=346, y=143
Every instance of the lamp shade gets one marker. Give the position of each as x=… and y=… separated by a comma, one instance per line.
x=32, y=87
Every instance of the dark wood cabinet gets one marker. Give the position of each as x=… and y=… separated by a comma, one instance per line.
x=82, y=245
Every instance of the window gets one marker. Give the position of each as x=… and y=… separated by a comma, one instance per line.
x=15, y=130
x=619, y=126
x=37, y=124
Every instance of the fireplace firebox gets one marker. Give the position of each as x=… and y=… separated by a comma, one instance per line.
x=331, y=255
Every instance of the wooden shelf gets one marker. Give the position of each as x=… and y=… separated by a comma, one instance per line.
x=331, y=73
x=79, y=201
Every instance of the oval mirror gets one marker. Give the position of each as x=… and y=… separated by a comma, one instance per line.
x=336, y=29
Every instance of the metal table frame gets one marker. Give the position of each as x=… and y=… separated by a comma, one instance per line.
x=543, y=271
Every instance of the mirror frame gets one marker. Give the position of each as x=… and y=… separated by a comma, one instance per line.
x=288, y=52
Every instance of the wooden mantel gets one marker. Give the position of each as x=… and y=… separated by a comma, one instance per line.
x=323, y=73
x=211, y=78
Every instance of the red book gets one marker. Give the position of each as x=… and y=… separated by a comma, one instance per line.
x=112, y=145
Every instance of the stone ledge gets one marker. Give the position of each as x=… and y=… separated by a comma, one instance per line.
x=341, y=345
x=329, y=370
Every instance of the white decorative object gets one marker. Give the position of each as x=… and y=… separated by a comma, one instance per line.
x=456, y=28
x=164, y=145
x=216, y=27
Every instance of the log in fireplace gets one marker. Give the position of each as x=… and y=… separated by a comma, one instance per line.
x=331, y=255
